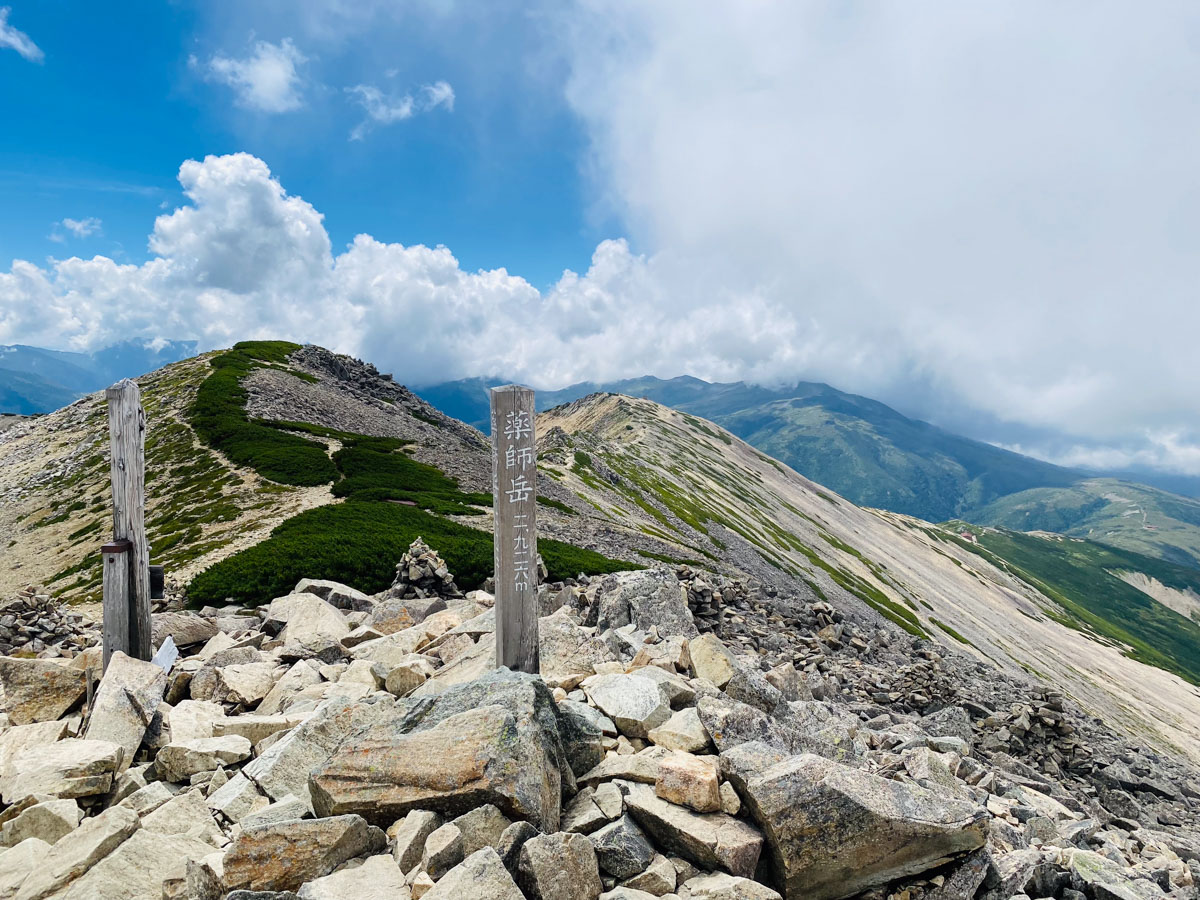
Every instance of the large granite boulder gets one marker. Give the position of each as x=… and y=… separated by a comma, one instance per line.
x=39, y=690
x=833, y=831
x=650, y=598
x=493, y=740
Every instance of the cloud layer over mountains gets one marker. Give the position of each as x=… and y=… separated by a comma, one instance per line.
x=953, y=208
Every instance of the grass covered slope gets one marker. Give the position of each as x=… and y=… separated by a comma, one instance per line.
x=1131, y=516
x=1085, y=579
x=389, y=500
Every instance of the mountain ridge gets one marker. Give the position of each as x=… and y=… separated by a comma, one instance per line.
x=878, y=457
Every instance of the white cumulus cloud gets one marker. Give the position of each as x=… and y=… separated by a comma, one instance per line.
x=267, y=80
x=14, y=39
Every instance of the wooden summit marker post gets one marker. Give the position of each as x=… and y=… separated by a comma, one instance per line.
x=127, y=558
x=514, y=500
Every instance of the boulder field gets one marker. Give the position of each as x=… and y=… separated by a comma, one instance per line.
x=337, y=746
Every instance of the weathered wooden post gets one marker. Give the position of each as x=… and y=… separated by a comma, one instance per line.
x=127, y=557
x=514, y=500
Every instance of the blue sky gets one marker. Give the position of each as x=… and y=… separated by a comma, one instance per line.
x=98, y=130
x=985, y=215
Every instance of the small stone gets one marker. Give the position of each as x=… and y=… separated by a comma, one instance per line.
x=731, y=803
x=622, y=849
x=689, y=781
x=443, y=851
x=178, y=762
x=408, y=836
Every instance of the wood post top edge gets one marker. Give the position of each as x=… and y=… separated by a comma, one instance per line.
x=511, y=388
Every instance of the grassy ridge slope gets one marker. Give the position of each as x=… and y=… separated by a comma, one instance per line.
x=1083, y=578
x=389, y=500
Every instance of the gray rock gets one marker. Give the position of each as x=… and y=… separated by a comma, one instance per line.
x=48, y=821
x=283, y=857
x=443, y=851
x=17, y=862
x=67, y=768
x=481, y=827
x=126, y=702
x=408, y=836
x=559, y=867
x=283, y=768
x=491, y=740
x=722, y=886
x=683, y=731
x=569, y=652
x=287, y=809
x=511, y=842
x=651, y=598
x=79, y=851
x=581, y=728
x=39, y=690
x=953, y=721
x=481, y=876
x=834, y=831
x=138, y=868
x=635, y=703
x=178, y=762
x=657, y=879
x=710, y=840
x=377, y=878
x=186, y=629
x=622, y=849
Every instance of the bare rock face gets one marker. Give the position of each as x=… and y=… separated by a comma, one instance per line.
x=39, y=690
x=283, y=857
x=834, y=831
x=634, y=702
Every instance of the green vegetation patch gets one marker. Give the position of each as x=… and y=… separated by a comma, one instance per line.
x=1077, y=575
x=219, y=417
x=359, y=543
x=556, y=504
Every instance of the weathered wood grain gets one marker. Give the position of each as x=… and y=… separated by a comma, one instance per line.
x=127, y=442
x=514, y=500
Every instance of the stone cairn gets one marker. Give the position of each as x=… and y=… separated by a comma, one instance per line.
x=421, y=574
x=34, y=622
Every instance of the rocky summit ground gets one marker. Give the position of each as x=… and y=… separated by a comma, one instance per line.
x=689, y=735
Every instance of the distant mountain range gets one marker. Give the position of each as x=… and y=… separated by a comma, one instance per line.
x=36, y=380
x=875, y=456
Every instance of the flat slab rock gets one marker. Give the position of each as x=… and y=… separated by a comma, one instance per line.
x=39, y=690
x=834, y=831
x=283, y=857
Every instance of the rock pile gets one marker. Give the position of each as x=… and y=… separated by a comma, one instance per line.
x=34, y=622
x=334, y=745
x=421, y=575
